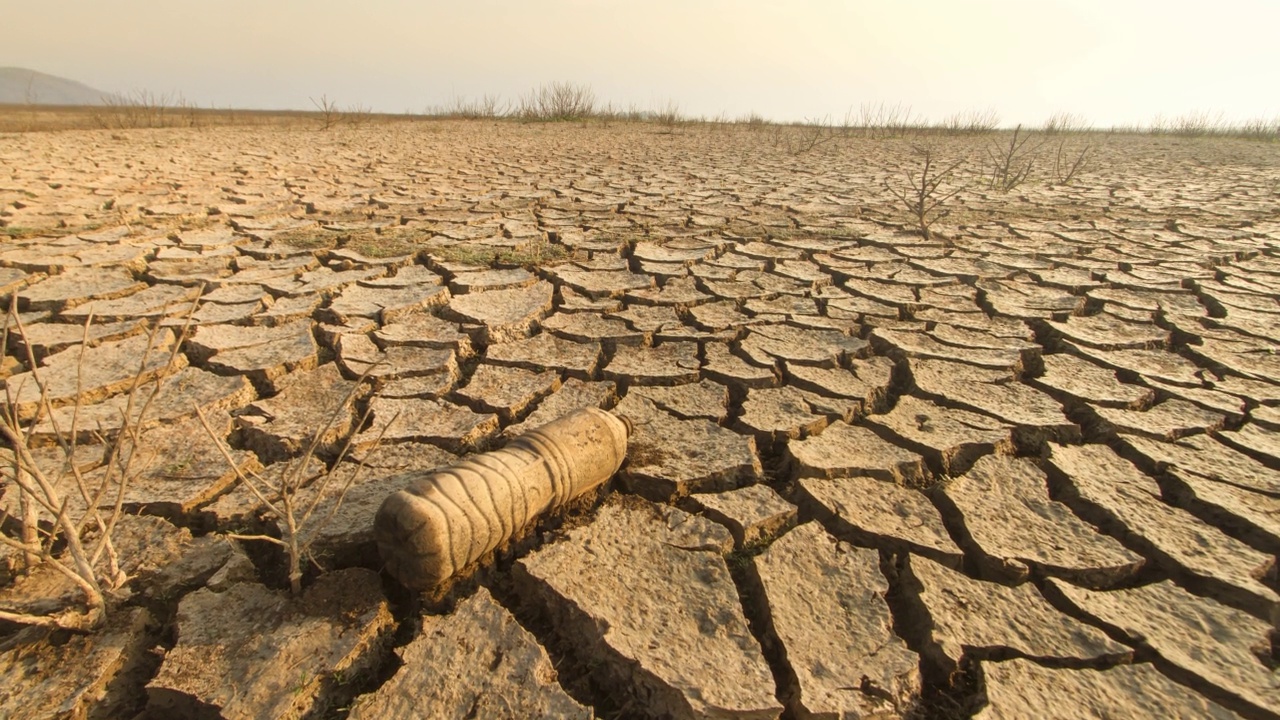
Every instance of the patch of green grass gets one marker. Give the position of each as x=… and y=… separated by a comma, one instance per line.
x=14, y=232
x=740, y=559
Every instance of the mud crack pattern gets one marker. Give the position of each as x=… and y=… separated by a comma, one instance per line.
x=1039, y=449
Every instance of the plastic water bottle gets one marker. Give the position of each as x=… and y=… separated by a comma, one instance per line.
x=452, y=518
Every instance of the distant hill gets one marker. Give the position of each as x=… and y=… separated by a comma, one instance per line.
x=20, y=86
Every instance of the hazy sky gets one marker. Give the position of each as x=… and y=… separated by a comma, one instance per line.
x=1114, y=61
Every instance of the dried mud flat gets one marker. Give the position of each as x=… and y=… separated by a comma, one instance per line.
x=1028, y=468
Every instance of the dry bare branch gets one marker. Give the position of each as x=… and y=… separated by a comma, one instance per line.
x=924, y=194
x=1067, y=165
x=329, y=112
x=1011, y=164
x=280, y=499
x=90, y=560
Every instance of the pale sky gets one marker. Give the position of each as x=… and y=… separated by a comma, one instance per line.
x=1112, y=61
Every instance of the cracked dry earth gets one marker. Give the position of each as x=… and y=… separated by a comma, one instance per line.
x=1029, y=468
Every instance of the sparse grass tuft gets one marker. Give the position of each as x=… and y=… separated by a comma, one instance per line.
x=386, y=242
x=527, y=255
x=466, y=253
x=740, y=559
x=668, y=117
x=311, y=238
x=17, y=233
x=534, y=254
x=373, y=242
x=1261, y=129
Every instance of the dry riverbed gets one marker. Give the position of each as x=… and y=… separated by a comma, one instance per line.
x=1026, y=467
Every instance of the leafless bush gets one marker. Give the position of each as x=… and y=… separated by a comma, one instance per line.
x=753, y=121
x=1011, y=164
x=144, y=109
x=608, y=113
x=668, y=117
x=329, y=112
x=923, y=194
x=1065, y=122
x=69, y=515
x=357, y=114
x=557, y=101
x=1197, y=124
x=883, y=120
x=776, y=134
x=1067, y=164
x=972, y=122
x=189, y=112
x=633, y=114
x=464, y=108
x=31, y=98
x=718, y=122
x=1260, y=129
x=282, y=496
x=809, y=135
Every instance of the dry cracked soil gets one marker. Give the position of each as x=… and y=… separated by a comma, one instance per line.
x=1026, y=467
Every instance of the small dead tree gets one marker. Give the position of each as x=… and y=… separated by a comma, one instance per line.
x=59, y=503
x=283, y=498
x=329, y=112
x=1067, y=164
x=923, y=193
x=357, y=114
x=1011, y=164
x=810, y=135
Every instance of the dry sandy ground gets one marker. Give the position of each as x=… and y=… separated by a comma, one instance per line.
x=1027, y=468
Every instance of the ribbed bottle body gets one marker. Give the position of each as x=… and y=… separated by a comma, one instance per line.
x=448, y=520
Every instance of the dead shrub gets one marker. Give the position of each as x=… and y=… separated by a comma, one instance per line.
x=924, y=193
x=1011, y=164
x=68, y=514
